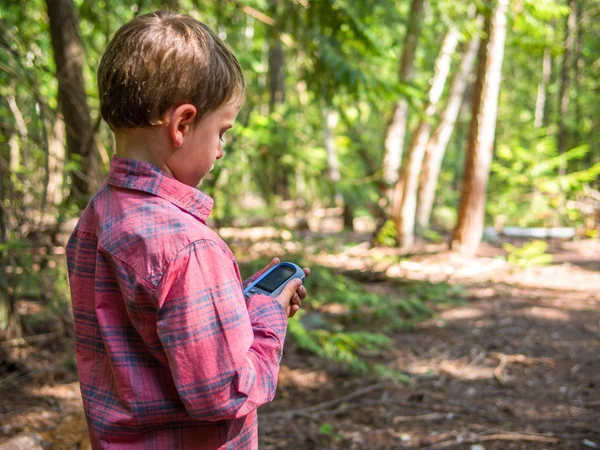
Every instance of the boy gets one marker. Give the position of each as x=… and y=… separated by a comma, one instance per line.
x=170, y=354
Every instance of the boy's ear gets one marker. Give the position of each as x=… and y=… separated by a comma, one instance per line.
x=182, y=117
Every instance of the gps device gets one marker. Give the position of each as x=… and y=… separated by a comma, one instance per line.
x=273, y=281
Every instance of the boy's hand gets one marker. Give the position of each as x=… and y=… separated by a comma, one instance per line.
x=292, y=295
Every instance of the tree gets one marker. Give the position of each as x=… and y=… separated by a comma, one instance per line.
x=404, y=214
x=565, y=80
x=69, y=58
x=436, y=147
x=396, y=131
x=276, y=74
x=469, y=229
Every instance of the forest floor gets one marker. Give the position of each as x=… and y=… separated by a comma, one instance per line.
x=516, y=365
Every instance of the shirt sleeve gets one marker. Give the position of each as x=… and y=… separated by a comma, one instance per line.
x=223, y=351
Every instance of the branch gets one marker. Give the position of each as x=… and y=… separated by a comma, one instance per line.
x=328, y=404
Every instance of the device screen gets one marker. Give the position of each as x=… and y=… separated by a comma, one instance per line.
x=275, y=279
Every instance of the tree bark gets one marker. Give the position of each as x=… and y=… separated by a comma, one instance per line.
x=69, y=58
x=540, y=104
x=396, y=131
x=565, y=81
x=276, y=71
x=330, y=120
x=436, y=147
x=579, y=60
x=9, y=320
x=469, y=229
x=56, y=158
x=404, y=216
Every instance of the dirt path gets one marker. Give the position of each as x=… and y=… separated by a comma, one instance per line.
x=518, y=367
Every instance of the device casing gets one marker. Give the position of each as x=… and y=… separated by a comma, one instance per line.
x=253, y=289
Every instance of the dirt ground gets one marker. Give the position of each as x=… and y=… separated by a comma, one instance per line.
x=515, y=367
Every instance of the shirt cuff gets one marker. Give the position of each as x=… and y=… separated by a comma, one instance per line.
x=265, y=310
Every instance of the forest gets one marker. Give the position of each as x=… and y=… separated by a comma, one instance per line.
x=436, y=163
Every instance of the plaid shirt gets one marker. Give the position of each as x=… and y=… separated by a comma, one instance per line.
x=170, y=354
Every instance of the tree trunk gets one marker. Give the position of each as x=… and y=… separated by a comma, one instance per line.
x=469, y=228
x=9, y=320
x=69, y=58
x=404, y=216
x=579, y=61
x=330, y=120
x=540, y=104
x=56, y=158
x=436, y=147
x=396, y=131
x=276, y=71
x=565, y=81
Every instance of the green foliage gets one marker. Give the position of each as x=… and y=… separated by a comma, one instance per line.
x=528, y=186
x=341, y=336
x=342, y=347
x=387, y=234
x=326, y=429
x=531, y=254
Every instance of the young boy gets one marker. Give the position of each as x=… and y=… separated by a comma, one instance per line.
x=170, y=353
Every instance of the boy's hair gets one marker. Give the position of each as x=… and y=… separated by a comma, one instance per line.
x=164, y=59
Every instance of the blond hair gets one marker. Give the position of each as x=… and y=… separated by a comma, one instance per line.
x=160, y=60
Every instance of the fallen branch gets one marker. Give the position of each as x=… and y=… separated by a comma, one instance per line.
x=518, y=437
x=521, y=359
x=328, y=404
x=496, y=437
x=426, y=417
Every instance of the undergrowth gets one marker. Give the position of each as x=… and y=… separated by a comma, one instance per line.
x=348, y=322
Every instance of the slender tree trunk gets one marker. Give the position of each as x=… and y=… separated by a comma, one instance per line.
x=540, y=104
x=276, y=73
x=14, y=144
x=396, y=131
x=565, y=81
x=579, y=61
x=469, y=228
x=69, y=58
x=404, y=216
x=330, y=120
x=436, y=147
x=56, y=158
x=9, y=320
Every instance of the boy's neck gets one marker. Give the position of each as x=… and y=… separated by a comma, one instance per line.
x=144, y=144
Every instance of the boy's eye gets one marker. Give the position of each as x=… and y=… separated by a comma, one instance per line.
x=222, y=138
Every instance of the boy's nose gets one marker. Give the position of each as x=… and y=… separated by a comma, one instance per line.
x=220, y=152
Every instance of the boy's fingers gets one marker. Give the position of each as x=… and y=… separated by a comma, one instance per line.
x=292, y=287
x=273, y=262
x=294, y=309
x=306, y=271
x=296, y=300
x=301, y=292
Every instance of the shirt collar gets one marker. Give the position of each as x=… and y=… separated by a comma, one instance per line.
x=142, y=176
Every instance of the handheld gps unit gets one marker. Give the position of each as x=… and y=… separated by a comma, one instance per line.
x=273, y=281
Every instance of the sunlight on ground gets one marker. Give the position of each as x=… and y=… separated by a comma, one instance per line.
x=459, y=369
x=463, y=313
x=301, y=378
x=547, y=314
x=255, y=234
x=68, y=391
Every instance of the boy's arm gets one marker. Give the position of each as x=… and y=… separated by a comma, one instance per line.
x=223, y=351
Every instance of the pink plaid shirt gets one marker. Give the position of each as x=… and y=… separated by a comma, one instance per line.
x=170, y=354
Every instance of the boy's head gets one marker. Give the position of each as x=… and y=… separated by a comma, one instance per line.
x=167, y=77
x=164, y=59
